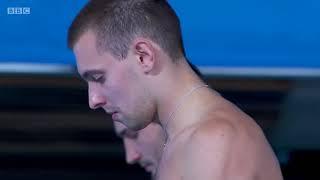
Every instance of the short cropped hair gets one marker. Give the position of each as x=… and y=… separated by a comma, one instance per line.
x=117, y=22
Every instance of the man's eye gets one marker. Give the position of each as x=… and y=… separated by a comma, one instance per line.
x=98, y=78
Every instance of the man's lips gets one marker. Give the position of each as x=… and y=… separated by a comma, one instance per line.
x=148, y=167
x=114, y=115
x=110, y=111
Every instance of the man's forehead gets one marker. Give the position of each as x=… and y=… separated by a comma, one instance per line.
x=89, y=60
x=87, y=41
x=85, y=49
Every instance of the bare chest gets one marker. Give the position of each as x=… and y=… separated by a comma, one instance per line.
x=169, y=167
x=172, y=162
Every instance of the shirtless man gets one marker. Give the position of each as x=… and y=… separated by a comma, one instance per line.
x=146, y=145
x=131, y=54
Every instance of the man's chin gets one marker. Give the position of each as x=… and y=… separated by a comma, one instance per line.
x=132, y=124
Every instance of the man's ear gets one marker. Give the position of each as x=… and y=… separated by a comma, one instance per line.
x=144, y=52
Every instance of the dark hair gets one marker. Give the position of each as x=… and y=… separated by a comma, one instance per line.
x=117, y=22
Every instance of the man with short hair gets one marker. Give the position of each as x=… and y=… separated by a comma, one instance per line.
x=131, y=54
x=146, y=145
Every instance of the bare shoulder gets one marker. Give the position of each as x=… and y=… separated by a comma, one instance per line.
x=226, y=125
x=211, y=132
x=223, y=148
x=208, y=150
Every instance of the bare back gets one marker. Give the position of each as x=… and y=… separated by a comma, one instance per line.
x=225, y=145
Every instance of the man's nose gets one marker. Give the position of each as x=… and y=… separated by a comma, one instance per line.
x=96, y=98
x=132, y=153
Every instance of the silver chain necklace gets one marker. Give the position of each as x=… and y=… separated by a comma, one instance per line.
x=171, y=117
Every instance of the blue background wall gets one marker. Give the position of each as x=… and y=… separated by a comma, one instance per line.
x=229, y=33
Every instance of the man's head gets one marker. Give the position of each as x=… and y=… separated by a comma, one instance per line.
x=144, y=146
x=117, y=44
x=117, y=23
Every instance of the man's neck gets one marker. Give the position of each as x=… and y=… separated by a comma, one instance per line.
x=178, y=97
x=193, y=111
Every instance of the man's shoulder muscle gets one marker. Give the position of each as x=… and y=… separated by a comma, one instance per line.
x=208, y=149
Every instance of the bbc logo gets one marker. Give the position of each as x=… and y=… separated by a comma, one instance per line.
x=18, y=10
